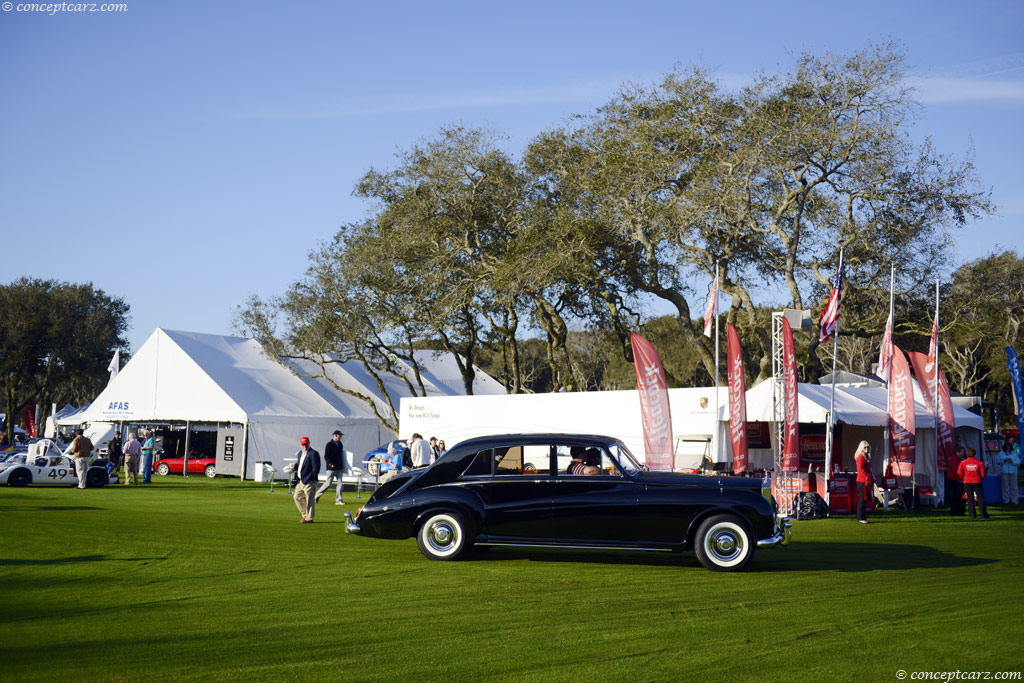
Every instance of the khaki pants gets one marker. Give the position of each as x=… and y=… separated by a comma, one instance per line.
x=305, y=500
x=129, y=469
x=81, y=469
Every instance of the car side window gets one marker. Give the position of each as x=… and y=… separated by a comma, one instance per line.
x=508, y=460
x=480, y=465
x=597, y=461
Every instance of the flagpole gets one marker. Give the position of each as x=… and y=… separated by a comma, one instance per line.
x=830, y=433
x=717, y=345
x=888, y=408
x=935, y=386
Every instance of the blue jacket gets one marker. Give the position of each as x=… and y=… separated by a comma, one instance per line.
x=1008, y=467
x=309, y=473
x=391, y=462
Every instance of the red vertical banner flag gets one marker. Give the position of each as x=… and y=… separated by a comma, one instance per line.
x=902, y=422
x=654, y=407
x=737, y=401
x=945, y=423
x=791, y=442
x=29, y=419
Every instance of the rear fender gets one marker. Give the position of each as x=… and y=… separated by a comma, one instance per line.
x=457, y=499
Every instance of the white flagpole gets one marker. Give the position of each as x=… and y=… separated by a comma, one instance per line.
x=888, y=408
x=717, y=345
x=830, y=430
x=935, y=388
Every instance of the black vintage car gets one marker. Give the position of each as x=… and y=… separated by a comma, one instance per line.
x=518, y=491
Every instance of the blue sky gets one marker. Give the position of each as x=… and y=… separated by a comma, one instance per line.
x=184, y=155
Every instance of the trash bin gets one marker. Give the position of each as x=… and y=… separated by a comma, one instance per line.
x=262, y=474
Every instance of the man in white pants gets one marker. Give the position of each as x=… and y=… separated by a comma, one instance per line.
x=81, y=448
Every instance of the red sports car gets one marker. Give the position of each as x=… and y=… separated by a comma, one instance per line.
x=197, y=464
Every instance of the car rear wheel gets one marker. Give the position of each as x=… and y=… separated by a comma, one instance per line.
x=95, y=478
x=443, y=536
x=210, y=471
x=724, y=544
x=20, y=478
x=162, y=469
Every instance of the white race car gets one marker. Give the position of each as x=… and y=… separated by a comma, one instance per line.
x=45, y=466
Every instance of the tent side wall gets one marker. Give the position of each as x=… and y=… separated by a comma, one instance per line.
x=274, y=441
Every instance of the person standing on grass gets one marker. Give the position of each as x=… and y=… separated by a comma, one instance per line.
x=972, y=471
x=81, y=448
x=148, y=446
x=308, y=469
x=865, y=480
x=420, y=451
x=954, y=484
x=1009, y=461
x=132, y=453
x=114, y=451
x=334, y=460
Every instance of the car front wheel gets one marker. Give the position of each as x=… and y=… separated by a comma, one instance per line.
x=210, y=471
x=20, y=478
x=724, y=544
x=443, y=536
x=162, y=469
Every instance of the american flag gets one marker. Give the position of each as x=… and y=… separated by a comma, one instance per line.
x=712, y=309
x=830, y=316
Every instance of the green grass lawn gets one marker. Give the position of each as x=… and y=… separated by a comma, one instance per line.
x=217, y=580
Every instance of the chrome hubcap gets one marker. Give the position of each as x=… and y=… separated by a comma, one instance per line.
x=442, y=536
x=724, y=545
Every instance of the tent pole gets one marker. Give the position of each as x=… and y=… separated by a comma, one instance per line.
x=245, y=447
x=188, y=434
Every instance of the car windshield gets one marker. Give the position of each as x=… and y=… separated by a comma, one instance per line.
x=626, y=459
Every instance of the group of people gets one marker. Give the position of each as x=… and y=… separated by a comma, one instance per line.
x=417, y=452
x=965, y=474
x=136, y=455
x=133, y=454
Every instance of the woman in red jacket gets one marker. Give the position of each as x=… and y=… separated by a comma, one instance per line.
x=865, y=479
x=972, y=472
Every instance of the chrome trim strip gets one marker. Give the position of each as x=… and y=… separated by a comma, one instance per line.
x=564, y=545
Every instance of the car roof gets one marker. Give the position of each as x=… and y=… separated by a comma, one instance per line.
x=515, y=439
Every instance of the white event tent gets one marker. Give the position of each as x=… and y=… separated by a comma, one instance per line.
x=234, y=385
x=863, y=415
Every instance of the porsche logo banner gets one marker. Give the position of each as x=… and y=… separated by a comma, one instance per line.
x=654, y=407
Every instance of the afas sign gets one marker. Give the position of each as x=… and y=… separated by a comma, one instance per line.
x=118, y=406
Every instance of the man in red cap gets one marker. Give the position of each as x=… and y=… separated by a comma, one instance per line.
x=308, y=469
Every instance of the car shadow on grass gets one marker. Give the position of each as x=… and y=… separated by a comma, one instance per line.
x=80, y=559
x=814, y=556
x=807, y=556
x=50, y=508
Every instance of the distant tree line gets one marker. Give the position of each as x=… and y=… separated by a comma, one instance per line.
x=56, y=342
x=536, y=266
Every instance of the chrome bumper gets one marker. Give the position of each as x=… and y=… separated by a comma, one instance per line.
x=783, y=534
x=351, y=527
